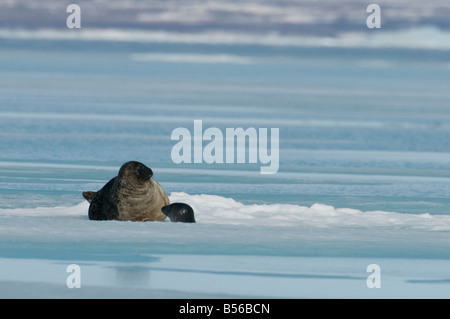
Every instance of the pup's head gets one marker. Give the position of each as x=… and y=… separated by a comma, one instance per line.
x=179, y=212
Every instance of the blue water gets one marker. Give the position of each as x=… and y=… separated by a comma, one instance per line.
x=359, y=128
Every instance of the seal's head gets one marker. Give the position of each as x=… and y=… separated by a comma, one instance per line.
x=135, y=172
x=179, y=212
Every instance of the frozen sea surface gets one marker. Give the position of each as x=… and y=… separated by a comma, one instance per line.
x=363, y=179
x=233, y=251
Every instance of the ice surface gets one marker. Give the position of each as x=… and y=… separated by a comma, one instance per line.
x=364, y=154
x=234, y=250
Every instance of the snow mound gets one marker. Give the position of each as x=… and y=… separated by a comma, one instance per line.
x=213, y=209
x=220, y=210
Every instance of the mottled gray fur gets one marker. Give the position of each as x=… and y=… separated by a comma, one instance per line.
x=131, y=195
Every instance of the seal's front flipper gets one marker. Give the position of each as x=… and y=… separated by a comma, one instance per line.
x=89, y=196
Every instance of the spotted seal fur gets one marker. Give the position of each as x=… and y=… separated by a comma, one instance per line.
x=131, y=195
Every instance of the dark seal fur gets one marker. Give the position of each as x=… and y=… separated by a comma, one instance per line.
x=131, y=195
x=179, y=212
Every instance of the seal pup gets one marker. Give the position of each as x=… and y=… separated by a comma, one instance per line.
x=179, y=212
x=131, y=195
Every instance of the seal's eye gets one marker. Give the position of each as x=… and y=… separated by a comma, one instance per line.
x=143, y=172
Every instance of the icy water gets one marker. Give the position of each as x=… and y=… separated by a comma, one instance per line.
x=363, y=176
x=366, y=130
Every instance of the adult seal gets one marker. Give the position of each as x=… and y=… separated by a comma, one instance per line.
x=131, y=195
x=179, y=212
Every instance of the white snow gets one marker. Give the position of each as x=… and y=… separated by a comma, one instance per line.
x=213, y=209
x=219, y=210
